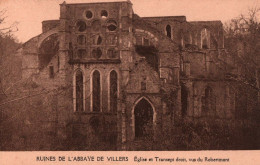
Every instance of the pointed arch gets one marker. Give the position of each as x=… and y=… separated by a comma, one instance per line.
x=48, y=48
x=168, y=31
x=47, y=34
x=96, y=91
x=205, y=38
x=112, y=91
x=145, y=99
x=78, y=91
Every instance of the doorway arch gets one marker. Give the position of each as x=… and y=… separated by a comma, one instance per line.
x=143, y=118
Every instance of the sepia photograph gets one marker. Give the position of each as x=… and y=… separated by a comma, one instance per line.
x=129, y=75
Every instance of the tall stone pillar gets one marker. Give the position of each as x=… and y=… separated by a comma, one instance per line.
x=63, y=68
x=126, y=49
x=64, y=42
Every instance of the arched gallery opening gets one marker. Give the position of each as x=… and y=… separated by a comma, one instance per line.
x=143, y=113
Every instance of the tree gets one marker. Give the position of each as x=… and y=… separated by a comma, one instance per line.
x=8, y=44
x=6, y=29
x=8, y=67
x=243, y=43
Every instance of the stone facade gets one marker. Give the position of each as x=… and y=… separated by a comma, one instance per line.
x=110, y=62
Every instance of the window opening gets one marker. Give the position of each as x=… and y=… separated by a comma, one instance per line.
x=51, y=72
x=96, y=91
x=143, y=119
x=81, y=26
x=113, y=91
x=99, y=40
x=104, y=14
x=89, y=14
x=169, y=31
x=205, y=39
x=48, y=49
x=111, y=25
x=143, y=84
x=96, y=53
x=79, y=91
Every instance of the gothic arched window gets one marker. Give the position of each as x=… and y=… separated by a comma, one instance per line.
x=97, y=40
x=205, y=39
x=169, y=31
x=79, y=91
x=81, y=26
x=113, y=91
x=96, y=89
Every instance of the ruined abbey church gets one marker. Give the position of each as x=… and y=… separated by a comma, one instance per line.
x=112, y=78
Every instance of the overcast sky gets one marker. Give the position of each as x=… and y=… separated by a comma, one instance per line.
x=30, y=13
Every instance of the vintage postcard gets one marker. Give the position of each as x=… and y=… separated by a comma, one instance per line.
x=177, y=80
